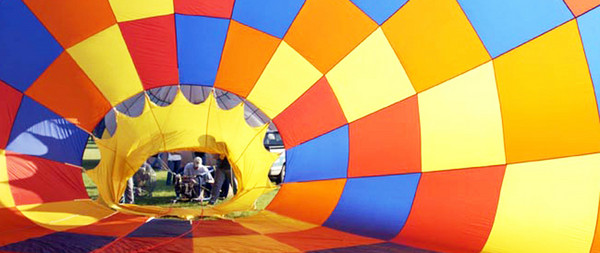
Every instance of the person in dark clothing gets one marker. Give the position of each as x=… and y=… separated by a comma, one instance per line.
x=223, y=173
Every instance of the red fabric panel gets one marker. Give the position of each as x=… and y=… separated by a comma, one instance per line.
x=10, y=99
x=14, y=227
x=153, y=48
x=454, y=210
x=116, y=225
x=386, y=142
x=36, y=180
x=213, y=8
x=321, y=238
x=204, y=228
x=316, y=112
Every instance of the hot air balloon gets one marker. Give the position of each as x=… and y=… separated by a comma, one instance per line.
x=408, y=125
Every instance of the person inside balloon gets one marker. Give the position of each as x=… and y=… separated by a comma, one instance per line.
x=199, y=172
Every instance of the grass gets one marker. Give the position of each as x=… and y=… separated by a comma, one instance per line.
x=163, y=194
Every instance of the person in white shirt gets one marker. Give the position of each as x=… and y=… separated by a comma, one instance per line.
x=199, y=171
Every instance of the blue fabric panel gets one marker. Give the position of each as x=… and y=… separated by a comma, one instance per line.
x=386, y=247
x=379, y=10
x=504, y=24
x=200, y=43
x=325, y=157
x=163, y=228
x=375, y=206
x=26, y=47
x=38, y=131
x=60, y=242
x=589, y=28
x=270, y=16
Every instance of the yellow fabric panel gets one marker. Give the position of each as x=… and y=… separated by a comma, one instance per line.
x=287, y=76
x=60, y=216
x=181, y=120
x=266, y=222
x=434, y=41
x=105, y=58
x=461, y=125
x=369, y=78
x=547, y=98
x=241, y=244
x=126, y=10
x=6, y=198
x=547, y=206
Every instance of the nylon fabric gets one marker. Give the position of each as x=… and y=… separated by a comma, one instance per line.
x=475, y=122
x=126, y=10
x=151, y=43
x=160, y=130
x=541, y=117
x=26, y=44
x=566, y=192
x=106, y=61
x=38, y=131
x=372, y=61
x=295, y=123
x=6, y=200
x=245, y=55
x=435, y=42
x=9, y=104
x=72, y=21
x=407, y=126
x=287, y=76
x=581, y=6
x=211, y=8
x=66, y=89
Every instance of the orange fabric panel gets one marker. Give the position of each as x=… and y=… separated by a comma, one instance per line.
x=321, y=238
x=15, y=227
x=314, y=113
x=116, y=225
x=386, y=142
x=71, y=21
x=325, y=31
x=434, y=41
x=245, y=55
x=579, y=7
x=66, y=90
x=453, y=211
x=596, y=242
x=547, y=98
x=317, y=199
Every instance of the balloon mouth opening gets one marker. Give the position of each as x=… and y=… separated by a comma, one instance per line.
x=204, y=120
